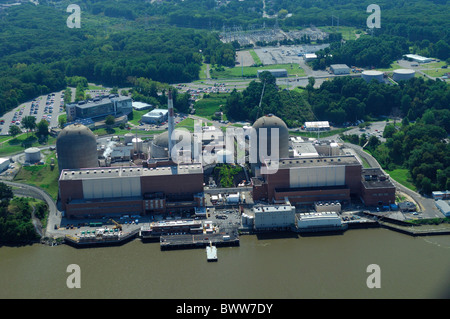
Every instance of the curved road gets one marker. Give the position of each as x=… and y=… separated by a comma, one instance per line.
x=427, y=205
x=54, y=215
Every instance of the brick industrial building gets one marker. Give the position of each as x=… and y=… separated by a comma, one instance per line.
x=324, y=178
x=96, y=192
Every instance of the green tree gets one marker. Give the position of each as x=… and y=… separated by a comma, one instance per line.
x=110, y=120
x=14, y=130
x=42, y=129
x=29, y=123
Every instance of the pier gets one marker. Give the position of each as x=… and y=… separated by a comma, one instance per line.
x=168, y=242
x=101, y=240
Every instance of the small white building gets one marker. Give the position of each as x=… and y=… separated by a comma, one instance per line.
x=273, y=216
x=443, y=206
x=311, y=222
x=4, y=163
x=418, y=58
x=155, y=116
x=139, y=106
x=340, y=69
x=309, y=57
x=317, y=126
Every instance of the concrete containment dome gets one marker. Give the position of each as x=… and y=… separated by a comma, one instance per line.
x=403, y=74
x=270, y=122
x=76, y=147
x=370, y=75
x=32, y=155
x=159, y=147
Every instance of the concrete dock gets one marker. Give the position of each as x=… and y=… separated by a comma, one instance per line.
x=197, y=241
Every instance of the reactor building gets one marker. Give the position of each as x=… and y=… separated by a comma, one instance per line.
x=76, y=147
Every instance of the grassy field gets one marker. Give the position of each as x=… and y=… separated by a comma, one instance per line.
x=206, y=107
x=21, y=142
x=394, y=66
x=42, y=176
x=250, y=71
x=255, y=57
x=403, y=177
x=137, y=115
x=436, y=72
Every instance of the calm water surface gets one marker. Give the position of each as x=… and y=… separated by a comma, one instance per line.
x=293, y=267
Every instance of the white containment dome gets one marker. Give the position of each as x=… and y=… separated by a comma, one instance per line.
x=32, y=155
x=403, y=74
x=370, y=75
x=267, y=137
x=76, y=147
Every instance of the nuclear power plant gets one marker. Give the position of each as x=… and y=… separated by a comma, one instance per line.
x=158, y=177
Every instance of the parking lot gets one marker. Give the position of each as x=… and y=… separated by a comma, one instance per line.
x=286, y=54
x=47, y=107
x=374, y=129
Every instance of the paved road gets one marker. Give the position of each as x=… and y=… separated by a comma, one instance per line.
x=427, y=205
x=54, y=217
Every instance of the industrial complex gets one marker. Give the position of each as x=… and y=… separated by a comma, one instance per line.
x=304, y=189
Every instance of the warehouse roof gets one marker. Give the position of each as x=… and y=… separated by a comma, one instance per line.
x=135, y=171
x=317, y=161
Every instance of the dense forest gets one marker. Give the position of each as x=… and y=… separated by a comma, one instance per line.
x=264, y=97
x=341, y=100
x=38, y=51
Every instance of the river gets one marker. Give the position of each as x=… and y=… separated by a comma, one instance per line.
x=287, y=267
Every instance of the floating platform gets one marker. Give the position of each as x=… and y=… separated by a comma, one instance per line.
x=211, y=253
x=189, y=241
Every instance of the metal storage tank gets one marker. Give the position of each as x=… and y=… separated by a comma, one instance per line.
x=403, y=74
x=137, y=144
x=32, y=155
x=76, y=147
x=269, y=122
x=370, y=75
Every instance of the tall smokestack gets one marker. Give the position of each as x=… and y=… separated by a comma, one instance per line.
x=170, y=122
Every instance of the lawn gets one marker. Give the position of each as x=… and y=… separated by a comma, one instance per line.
x=437, y=73
x=206, y=107
x=20, y=143
x=251, y=71
x=255, y=57
x=403, y=177
x=137, y=115
x=43, y=176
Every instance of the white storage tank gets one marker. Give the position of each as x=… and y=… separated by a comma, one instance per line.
x=32, y=155
x=137, y=144
x=370, y=75
x=403, y=74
